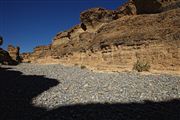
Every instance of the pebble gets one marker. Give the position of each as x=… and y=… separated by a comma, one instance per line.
x=79, y=86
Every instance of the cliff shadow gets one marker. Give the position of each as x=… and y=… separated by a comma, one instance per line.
x=17, y=91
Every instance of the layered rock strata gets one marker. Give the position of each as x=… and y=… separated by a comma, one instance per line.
x=115, y=40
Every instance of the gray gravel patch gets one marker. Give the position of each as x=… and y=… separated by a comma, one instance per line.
x=73, y=93
x=78, y=85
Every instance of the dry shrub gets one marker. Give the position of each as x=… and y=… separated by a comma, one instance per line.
x=141, y=66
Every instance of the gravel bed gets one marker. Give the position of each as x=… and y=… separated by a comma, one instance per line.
x=82, y=86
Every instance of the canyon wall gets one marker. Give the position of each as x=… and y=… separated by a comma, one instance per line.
x=114, y=40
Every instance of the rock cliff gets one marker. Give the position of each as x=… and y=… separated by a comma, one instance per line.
x=5, y=57
x=114, y=40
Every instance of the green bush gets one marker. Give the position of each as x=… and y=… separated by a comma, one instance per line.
x=141, y=66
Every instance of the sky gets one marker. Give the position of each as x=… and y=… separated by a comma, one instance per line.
x=29, y=23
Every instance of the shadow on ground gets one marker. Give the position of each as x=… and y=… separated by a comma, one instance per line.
x=17, y=91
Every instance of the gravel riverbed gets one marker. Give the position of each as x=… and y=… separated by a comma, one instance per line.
x=82, y=86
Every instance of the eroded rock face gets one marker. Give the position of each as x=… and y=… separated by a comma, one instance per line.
x=120, y=43
x=64, y=37
x=26, y=57
x=116, y=40
x=14, y=53
x=38, y=53
x=96, y=16
x=133, y=7
x=147, y=6
x=128, y=8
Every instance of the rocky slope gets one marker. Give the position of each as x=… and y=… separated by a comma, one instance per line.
x=140, y=30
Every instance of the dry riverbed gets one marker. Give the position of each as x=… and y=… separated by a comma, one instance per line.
x=81, y=86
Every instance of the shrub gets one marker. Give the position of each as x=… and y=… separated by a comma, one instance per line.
x=141, y=66
x=76, y=64
x=83, y=67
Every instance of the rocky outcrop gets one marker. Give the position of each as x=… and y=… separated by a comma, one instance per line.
x=133, y=7
x=14, y=53
x=26, y=57
x=115, y=40
x=94, y=17
x=38, y=53
x=128, y=8
x=5, y=58
x=41, y=51
x=66, y=36
x=155, y=6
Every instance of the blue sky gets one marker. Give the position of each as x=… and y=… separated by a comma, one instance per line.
x=29, y=23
